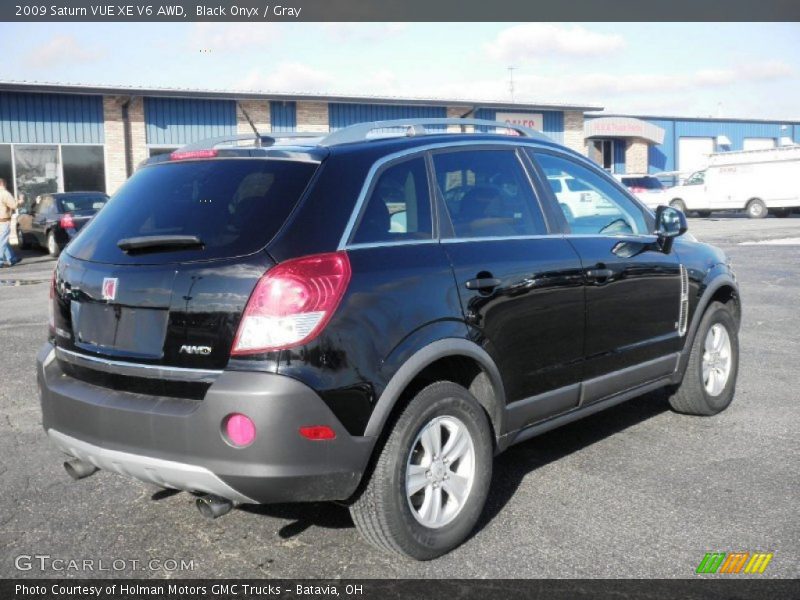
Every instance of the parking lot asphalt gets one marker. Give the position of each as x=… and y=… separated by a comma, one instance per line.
x=635, y=491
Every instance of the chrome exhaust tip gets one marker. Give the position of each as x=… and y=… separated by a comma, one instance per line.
x=78, y=469
x=212, y=507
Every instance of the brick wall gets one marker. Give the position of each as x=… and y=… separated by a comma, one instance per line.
x=138, y=134
x=636, y=156
x=312, y=116
x=259, y=113
x=114, y=132
x=573, y=131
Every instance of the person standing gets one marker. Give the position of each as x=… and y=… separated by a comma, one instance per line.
x=8, y=204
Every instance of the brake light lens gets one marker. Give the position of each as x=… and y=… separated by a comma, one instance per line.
x=67, y=222
x=292, y=303
x=190, y=154
x=638, y=190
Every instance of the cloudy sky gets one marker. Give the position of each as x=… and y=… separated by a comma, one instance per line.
x=746, y=70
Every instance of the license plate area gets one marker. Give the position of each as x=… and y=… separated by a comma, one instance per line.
x=119, y=330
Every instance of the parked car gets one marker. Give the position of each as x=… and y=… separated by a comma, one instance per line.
x=252, y=325
x=54, y=219
x=758, y=182
x=646, y=188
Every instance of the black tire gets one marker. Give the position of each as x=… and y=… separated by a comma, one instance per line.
x=382, y=513
x=691, y=397
x=53, y=247
x=756, y=209
x=679, y=204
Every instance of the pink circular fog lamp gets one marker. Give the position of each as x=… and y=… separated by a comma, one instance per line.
x=239, y=430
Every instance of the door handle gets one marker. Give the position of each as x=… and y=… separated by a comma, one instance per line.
x=598, y=274
x=483, y=284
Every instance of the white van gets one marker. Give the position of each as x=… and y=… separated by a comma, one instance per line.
x=756, y=181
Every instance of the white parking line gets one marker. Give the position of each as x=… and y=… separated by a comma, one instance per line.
x=778, y=242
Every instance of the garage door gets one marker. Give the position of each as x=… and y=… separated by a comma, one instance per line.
x=693, y=153
x=758, y=143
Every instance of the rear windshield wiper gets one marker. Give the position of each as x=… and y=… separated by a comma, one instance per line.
x=155, y=243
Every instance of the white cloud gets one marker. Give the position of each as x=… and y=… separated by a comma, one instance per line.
x=537, y=40
x=59, y=50
x=233, y=37
x=288, y=77
x=368, y=32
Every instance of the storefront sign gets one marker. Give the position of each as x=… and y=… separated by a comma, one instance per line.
x=625, y=127
x=529, y=120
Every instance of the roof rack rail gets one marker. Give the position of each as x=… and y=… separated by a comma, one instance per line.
x=257, y=140
x=360, y=131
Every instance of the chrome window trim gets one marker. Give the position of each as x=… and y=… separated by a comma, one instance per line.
x=391, y=243
x=408, y=152
x=130, y=369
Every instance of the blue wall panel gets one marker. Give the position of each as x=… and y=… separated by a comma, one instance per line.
x=665, y=156
x=283, y=116
x=178, y=121
x=341, y=115
x=50, y=118
x=552, y=121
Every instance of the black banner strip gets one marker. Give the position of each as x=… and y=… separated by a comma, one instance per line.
x=398, y=10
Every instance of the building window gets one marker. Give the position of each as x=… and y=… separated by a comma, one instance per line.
x=38, y=170
x=84, y=169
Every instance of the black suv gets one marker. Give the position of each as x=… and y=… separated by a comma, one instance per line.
x=369, y=318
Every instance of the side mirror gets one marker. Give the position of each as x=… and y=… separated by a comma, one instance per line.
x=670, y=223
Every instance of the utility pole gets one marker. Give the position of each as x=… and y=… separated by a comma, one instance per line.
x=511, y=82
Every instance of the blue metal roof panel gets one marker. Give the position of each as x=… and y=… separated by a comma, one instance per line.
x=178, y=121
x=50, y=118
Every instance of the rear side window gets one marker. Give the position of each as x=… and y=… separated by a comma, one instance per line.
x=487, y=194
x=235, y=206
x=398, y=207
x=82, y=203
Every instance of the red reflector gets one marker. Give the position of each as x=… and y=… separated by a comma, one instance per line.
x=239, y=430
x=318, y=432
x=67, y=222
x=189, y=154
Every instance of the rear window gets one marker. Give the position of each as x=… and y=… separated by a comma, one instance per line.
x=235, y=206
x=647, y=183
x=82, y=203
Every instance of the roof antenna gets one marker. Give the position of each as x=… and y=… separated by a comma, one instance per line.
x=511, y=82
x=252, y=125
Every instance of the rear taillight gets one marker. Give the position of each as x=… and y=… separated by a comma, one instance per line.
x=67, y=222
x=190, y=154
x=638, y=190
x=292, y=303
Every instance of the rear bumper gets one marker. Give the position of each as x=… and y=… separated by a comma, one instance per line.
x=178, y=443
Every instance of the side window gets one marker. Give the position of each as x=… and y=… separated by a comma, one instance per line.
x=487, y=194
x=398, y=207
x=590, y=203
